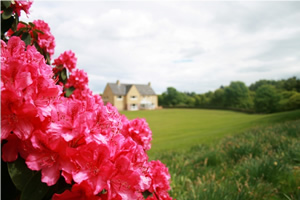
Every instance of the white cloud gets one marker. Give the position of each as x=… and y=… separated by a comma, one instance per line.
x=192, y=46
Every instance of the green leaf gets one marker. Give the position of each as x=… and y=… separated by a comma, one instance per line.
x=41, y=32
x=48, y=59
x=6, y=24
x=31, y=24
x=17, y=33
x=24, y=29
x=23, y=23
x=26, y=37
x=63, y=74
x=35, y=35
x=37, y=46
x=19, y=173
x=69, y=91
x=146, y=194
x=15, y=24
x=34, y=189
x=7, y=13
x=6, y=3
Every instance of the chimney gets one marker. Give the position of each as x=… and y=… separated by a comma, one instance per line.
x=149, y=84
x=118, y=82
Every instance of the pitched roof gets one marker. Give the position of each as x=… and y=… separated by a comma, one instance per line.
x=122, y=89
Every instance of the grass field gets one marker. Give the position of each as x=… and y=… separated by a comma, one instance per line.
x=182, y=128
x=224, y=155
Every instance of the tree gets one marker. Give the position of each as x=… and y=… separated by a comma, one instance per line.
x=218, y=99
x=237, y=95
x=294, y=101
x=266, y=99
x=172, y=97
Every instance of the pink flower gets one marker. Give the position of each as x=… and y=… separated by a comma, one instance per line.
x=24, y=5
x=9, y=150
x=79, y=192
x=78, y=79
x=26, y=90
x=129, y=179
x=103, y=123
x=94, y=166
x=45, y=40
x=160, y=176
x=139, y=131
x=66, y=60
x=68, y=119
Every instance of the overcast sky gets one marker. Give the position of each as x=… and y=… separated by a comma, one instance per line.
x=190, y=45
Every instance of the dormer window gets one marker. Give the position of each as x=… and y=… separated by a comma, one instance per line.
x=133, y=97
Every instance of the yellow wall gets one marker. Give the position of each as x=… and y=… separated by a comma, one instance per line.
x=149, y=98
x=108, y=96
x=119, y=102
x=126, y=102
x=130, y=101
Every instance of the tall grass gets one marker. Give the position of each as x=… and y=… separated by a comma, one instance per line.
x=262, y=163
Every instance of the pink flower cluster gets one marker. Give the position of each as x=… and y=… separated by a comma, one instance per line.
x=24, y=5
x=97, y=150
x=66, y=60
x=45, y=38
x=78, y=79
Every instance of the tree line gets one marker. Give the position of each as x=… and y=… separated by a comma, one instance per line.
x=263, y=96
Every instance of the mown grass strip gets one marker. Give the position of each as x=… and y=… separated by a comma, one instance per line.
x=182, y=128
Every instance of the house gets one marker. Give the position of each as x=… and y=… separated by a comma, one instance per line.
x=130, y=96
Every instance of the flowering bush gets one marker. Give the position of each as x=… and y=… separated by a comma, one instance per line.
x=66, y=60
x=56, y=132
x=38, y=34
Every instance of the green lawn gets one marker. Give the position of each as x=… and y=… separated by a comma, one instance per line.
x=182, y=128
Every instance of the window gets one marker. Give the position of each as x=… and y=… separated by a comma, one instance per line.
x=133, y=107
x=105, y=98
x=133, y=97
x=120, y=97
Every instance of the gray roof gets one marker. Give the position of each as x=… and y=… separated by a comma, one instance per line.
x=122, y=89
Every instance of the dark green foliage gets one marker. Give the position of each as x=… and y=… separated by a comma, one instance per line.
x=237, y=96
x=218, y=98
x=259, y=164
x=266, y=99
x=171, y=97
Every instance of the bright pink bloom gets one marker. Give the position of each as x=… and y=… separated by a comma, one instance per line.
x=45, y=40
x=66, y=60
x=139, y=131
x=94, y=166
x=24, y=5
x=26, y=89
x=159, y=195
x=79, y=192
x=68, y=119
x=124, y=154
x=160, y=176
x=104, y=122
x=78, y=79
x=9, y=150
x=48, y=155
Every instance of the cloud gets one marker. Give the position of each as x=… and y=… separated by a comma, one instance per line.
x=192, y=46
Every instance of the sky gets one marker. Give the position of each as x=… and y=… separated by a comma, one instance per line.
x=193, y=46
